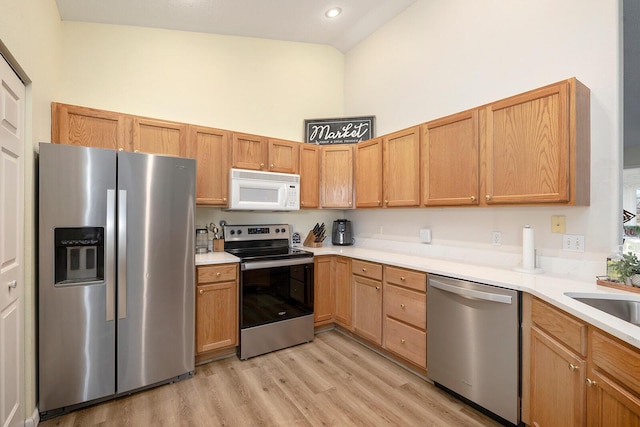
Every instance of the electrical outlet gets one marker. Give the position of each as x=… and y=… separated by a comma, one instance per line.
x=425, y=235
x=496, y=238
x=573, y=243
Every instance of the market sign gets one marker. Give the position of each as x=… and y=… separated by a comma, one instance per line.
x=346, y=130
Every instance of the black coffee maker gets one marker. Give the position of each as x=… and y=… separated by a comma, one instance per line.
x=342, y=233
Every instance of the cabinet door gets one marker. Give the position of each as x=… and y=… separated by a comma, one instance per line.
x=159, y=137
x=284, y=156
x=216, y=316
x=609, y=404
x=527, y=147
x=401, y=160
x=557, y=383
x=210, y=148
x=88, y=127
x=342, y=313
x=309, y=176
x=450, y=165
x=249, y=152
x=324, y=298
x=336, y=180
x=367, y=308
x=369, y=174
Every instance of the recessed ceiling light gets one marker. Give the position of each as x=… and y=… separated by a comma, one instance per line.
x=333, y=12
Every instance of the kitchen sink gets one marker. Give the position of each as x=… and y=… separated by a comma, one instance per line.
x=623, y=307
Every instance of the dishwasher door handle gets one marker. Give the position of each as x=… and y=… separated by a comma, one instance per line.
x=471, y=293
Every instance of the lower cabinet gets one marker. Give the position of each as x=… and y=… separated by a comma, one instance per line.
x=323, y=289
x=342, y=313
x=216, y=307
x=367, y=300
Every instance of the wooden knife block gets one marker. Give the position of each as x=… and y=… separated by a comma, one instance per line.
x=309, y=241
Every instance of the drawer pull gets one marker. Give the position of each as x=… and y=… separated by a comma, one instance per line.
x=402, y=340
x=201, y=292
x=364, y=270
x=591, y=383
x=218, y=274
x=473, y=198
x=573, y=367
x=402, y=278
x=377, y=288
x=402, y=306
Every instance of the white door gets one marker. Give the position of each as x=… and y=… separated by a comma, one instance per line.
x=12, y=93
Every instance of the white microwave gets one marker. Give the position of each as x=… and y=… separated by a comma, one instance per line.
x=263, y=191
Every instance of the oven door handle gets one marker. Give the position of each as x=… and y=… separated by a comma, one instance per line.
x=256, y=265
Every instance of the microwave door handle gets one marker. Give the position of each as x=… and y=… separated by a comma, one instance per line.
x=110, y=270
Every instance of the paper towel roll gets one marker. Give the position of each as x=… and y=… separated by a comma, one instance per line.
x=528, y=249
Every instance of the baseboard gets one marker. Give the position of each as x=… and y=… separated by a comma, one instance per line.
x=34, y=420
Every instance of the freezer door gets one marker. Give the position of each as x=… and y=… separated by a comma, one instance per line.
x=76, y=334
x=156, y=269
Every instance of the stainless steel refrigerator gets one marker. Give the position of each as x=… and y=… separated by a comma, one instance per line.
x=116, y=273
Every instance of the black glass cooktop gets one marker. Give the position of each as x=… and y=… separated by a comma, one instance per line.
x=268, y=253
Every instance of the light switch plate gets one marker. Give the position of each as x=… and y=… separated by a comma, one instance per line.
x=558, y=224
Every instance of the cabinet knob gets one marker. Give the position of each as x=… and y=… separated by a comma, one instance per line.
x=402, y=306
x=386, y=202
x=120, y=149
x=379, y=203
x=218, y=274
x=271, y=165
x=261, y=165
x=591, y=383
x=302, y=202
x=487, y=197
x=573, y=367
x=201, y=292
x=377, y=288
x=473, y=198
x=402, y=340
x=402, y=278
x=364, y=270
x=350, y=203
x=224, y=199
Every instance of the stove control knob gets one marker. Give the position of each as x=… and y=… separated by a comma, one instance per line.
x=282, y=230
x=232, y=232
x=239, y=232
x=277, y=230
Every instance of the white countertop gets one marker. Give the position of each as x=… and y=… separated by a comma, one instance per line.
x=544, y=286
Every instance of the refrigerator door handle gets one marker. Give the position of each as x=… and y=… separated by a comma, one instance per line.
x=110, y=269
x=122, y=254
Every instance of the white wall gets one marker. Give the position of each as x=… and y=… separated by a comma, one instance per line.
x=443, y=56
x=244, y=84
x=30, y=33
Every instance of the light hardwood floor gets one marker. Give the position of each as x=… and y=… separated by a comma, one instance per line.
x=332, y=381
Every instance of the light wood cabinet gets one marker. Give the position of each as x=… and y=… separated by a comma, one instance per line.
x=336, y=176
x=284, y=156
x=323, y=290
x=159, y=137
x=450, y=160
x=405, y=314
x=342, y=314
x=367, y=300
x=369, y=174
x=89, y=127
x=309, y=176
x=216, y=307
x=249, y=151
x=401, y=163
x=210, y=148
x=536, y=146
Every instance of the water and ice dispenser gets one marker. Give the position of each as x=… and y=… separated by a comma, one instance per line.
x=79, y=255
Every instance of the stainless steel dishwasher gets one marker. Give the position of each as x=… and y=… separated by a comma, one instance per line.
x=473, y=343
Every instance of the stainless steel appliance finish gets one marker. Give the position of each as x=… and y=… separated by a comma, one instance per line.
x=342, y=233
x=125, y=321
x=276, y=288
x=473, y=343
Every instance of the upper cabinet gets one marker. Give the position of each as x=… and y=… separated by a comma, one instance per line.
x=450, y=165
x=159, y=137
x=309, y=175
x=88, y=127
x=401, y=163
x=536, y=146
x=210, y=148
x=369, y=174
x=336, y=176
x=265, y=154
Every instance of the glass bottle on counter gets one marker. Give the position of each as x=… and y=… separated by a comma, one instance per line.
x=612, y=272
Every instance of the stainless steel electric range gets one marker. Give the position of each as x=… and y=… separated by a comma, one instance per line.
x=276, y=288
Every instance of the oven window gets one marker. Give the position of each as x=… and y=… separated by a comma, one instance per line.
x=276, y=293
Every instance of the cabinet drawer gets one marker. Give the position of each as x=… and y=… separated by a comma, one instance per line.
x=410, y=279
x=366, y=269
x=564, y=327
x=406, y=305
x=620, y=361
x=217, y=273
x=406, y=341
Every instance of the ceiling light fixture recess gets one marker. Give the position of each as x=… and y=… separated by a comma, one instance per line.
x=333, y=12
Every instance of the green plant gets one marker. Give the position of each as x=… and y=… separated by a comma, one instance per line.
x=627, y=266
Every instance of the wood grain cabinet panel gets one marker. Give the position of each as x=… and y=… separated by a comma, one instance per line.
x=159, y=137
x=309, y=176
x=450, y=160
x=407, y=341
x=565, y=328
x=89, y=127
x=210, y=148
x=284, y=156
x=537, y=146
x=336, y=176
x=249, y=151
x=343, y=290
x=369, y=174
x=323, y=289
x=401, y=162
x=367, y=308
